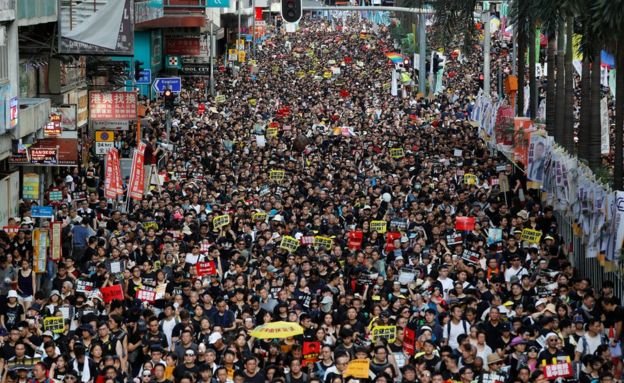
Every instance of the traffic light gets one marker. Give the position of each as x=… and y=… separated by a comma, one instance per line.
x=169, y=97
x=138, y=68
x=291, y=10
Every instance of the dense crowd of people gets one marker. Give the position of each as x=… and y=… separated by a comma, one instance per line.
x=336, y=208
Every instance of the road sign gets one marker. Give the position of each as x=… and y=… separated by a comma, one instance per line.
x=104, y=141
x=42, y=212
x=145, y=77
x=218, y=4
x=163, y=83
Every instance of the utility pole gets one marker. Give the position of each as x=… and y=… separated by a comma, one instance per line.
x=422, y=51
x=253, y=35
x=212, y=57
x=239, y=4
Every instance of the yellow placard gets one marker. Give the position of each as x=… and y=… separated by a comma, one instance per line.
x=289, y=244
x=383, y=332
x=325, y=242
x=470, y=179
x=276, y=175
x=531, y=236
x=358, y=368
x=301, y=74
x=253, y=102
x=220, y=99
x=54, y=324
x=271, y=132
x=327, y=74
x=378, y=226
x=240, y=44
x=241, y=56
x=397, y=153
x=232, y=54
x=220, y=221
x=259, y=216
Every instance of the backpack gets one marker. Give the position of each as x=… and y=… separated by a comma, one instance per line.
x=448, y=328
x=585, y=344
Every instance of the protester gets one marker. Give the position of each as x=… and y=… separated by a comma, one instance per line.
x=307, y=193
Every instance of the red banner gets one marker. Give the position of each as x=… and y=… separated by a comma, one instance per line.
x=112, y=106
x=206, y=268
x=182, y=46
x=111, y=293
x=146, y=295
x=112, y=181
x=137, y=173
x=409, y=341
x=310, y=351
x=465, y=223
x=55, y=240
x=258, y=13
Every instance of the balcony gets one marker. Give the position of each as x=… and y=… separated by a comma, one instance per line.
x=33, y=115
x=32, y=12
x=7, y=10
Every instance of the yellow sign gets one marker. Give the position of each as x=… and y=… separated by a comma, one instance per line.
x=241, y=56
x=470, y=179
x=271, y=132
x=289, y=244
x=384, y=332
x=253, y=102
x=259, y=216
x=54, y=324
x=104, y=136
x=30, y=186
x=276, y=176
x=397, y=153
x=378, y=226
x=240, y=44
x=220, y=99
x=327, y=74
x=232, y=54
x=358, y=368
x=325, y=242
x=220, y=221
x=531, y=236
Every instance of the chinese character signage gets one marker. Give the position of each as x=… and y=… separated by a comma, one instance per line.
x=13, y=112
x=53, y=127
x=68, y=115
x=105, y=27
x=113, y=105
x=182, y=46
x=44, y=156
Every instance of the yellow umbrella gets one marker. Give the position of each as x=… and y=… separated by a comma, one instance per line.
x=277, y=330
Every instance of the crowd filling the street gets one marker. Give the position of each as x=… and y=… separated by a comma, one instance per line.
x=306, y=226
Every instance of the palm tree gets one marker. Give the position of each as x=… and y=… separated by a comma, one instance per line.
x=520, y=10
x=609, y=24
x=568, y=120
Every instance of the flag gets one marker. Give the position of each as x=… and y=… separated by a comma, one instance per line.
x=137, y=173
x=117, y=184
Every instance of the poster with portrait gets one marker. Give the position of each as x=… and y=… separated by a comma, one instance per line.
x=538, y=150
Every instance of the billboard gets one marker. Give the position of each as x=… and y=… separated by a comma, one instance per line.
x=105, y=27
x=112, y=105
x=68, y=115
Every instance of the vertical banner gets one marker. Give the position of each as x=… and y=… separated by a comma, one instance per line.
x=538, y=149
x=118, y=183
x=616, y=238
x=55, y=240
x=605, y=144
x=108, y=176
x=137, y=174
x=394, y=90
x=40, y=247
x=112, y=182
x=258, y=13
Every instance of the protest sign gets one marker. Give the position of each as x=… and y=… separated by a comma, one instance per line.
x=378, y=226
x=276, y=175
x=206, y=268
x=397, y=153
x=409, y=341
x=325, y=242
x=470, y=179
x=259, y=216
x=310, y=351
x=354, y=239
x=220, y=221
x=531, y=236
x=289, y=244
x=384, y=332
x=465, y=223
x=111, y=293
x=54, y=324
x=146, y=294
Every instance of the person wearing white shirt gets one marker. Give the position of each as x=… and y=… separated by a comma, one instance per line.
x=447, y=283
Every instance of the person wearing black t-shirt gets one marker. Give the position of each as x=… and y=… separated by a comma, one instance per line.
x=251, y=373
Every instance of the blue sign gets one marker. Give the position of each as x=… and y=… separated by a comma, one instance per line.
x=218, y=4
x=145, y=77
x=42, y=212
x=174, y=84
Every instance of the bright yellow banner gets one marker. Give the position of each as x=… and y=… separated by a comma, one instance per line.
x=378, y=226
x=289, y=244
x=531, y=236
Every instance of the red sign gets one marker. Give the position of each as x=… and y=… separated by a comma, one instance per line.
x=105, y=106
x=409, y=341
x=182, y=46
x=355, y=239
x=146, y=295
x=53, y=128
x=137, y=173
x=258, y=13
x=390, y=237
x=559, y=370
x=206, y=268
x=11, y=230
x=311, y=351
x=44, y=156
x=465, y=223
x=201, y=109
x=111, y=293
